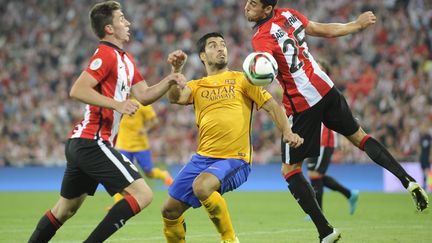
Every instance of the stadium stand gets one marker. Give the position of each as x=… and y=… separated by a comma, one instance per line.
x=385, y=72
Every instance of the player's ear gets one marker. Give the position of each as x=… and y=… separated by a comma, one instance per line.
x=268, y=10
x=202, y=56
x=109, y=29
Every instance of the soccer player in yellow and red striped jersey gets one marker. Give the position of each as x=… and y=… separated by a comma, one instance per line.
x=223, y=103
x=133, y=142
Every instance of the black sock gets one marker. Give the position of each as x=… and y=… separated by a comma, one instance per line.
x=331, y=183
x=305, y=196
x=380, y=155
x=318, y=186
x=115, y=219
x=45, y=229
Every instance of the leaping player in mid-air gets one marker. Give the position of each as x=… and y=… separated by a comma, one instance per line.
x=311, y=98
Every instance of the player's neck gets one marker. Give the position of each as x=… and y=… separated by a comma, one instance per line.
x=113, y=41
x=263, y=20
x=214, y=70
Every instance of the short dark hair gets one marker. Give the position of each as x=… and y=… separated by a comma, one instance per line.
x=266, y=3
x=101, y=15
x=201, y=43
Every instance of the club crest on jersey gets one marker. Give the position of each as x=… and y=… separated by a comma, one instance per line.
x=95, y=64
x=230, y=81
x=279, y=34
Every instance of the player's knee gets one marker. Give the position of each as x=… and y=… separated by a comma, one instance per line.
x=64, y=213
x=358, y=137
x=149, y=174
x=201, y=190
x=145, y=198
x=141, y=192
x=287, y=168
x=143, y=195
x=314, y=173
x=170, y=212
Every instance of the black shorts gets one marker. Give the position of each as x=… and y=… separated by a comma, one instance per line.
x=333, y=111
x=90, y=162
x=322, y=162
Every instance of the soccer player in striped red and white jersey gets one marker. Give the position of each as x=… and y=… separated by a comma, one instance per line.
x=104, y=87
x=311, y=98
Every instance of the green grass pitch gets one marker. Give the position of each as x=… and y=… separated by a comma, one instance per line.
x=271, y=217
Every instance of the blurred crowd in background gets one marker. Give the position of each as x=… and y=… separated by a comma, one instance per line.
x=385, y=72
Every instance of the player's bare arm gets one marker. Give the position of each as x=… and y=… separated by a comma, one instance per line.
x=280, y=119
x=147, y=95
x=177, y=94
x=83, y=90
x=330, y=30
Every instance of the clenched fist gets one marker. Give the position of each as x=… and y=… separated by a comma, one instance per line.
x=177, y=59
x=366, y=19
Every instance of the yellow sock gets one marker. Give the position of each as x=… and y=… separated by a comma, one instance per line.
x=117, y=197
x=174, y=230
x=158, y=174
x=218, y=212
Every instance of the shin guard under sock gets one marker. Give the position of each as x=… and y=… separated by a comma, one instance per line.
x=318, y=186
x=115, y=219
x=45, y=229
x=380, y=155
x=305, y=196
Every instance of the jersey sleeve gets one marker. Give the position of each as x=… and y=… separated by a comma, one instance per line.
x=100, y=65
x=193, y=86
x=255, y=93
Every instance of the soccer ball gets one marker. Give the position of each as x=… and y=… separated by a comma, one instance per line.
x=260, y=68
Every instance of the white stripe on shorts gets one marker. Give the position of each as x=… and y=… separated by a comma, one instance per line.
x=116, y=162
x=287, y=153
x=287, y=147
x=320, y=158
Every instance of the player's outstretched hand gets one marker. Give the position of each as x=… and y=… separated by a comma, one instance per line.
x=293, y=140
x=128, y=107
x=177, y=59
x=366, y=19
x=176, y=78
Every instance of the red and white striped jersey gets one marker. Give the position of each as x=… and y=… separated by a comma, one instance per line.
x=116, y=72
x=283, y=36
x=329, y=137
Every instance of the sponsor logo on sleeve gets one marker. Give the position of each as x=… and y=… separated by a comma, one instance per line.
x=96, y=64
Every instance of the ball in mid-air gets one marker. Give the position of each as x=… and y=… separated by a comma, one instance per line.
x=260, y=68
